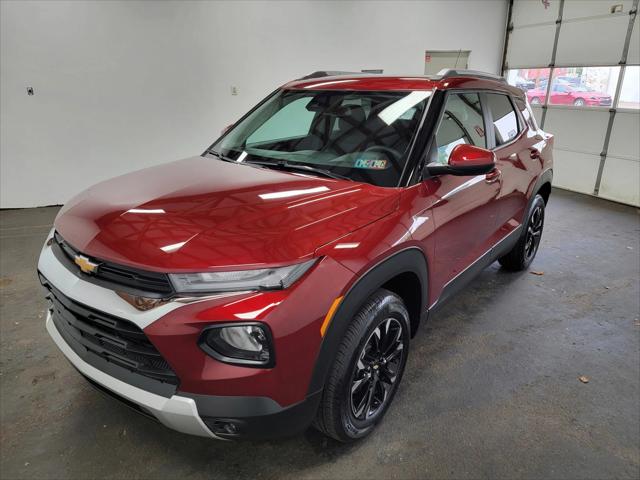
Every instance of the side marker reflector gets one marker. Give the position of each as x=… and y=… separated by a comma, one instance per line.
x=327, y=319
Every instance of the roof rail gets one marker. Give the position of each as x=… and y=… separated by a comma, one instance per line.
x=327, y=73
x=450, y=72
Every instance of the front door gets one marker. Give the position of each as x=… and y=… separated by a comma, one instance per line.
x=464, y=208
x=560, y=94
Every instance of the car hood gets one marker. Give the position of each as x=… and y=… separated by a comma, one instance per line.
x=202, y=213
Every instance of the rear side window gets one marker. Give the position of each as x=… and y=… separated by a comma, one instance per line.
x=462, y=122
x=505, y=120
x=526, y=112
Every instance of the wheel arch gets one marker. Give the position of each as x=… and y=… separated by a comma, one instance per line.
x=542, y=186
x=405, y=273
x=545, y=191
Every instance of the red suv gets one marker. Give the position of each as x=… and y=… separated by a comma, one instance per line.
x=276, y=280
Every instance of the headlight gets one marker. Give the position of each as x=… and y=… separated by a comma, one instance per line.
x=259, y=279
x=242, y=344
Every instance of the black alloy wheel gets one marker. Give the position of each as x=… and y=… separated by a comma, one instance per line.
x=367, y=368
x=524, y=251
x=534, y=232
x=376, y=370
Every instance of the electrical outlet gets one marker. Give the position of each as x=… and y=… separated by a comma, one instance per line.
x=234, y=90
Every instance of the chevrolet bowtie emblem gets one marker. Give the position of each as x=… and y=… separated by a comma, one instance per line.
x=86, y=265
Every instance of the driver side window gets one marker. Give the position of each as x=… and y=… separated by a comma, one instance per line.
x=462, y=122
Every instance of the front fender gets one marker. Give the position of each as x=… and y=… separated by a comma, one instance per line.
x=410, y=260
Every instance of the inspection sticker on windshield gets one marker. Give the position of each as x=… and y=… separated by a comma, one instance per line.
x=371, y=164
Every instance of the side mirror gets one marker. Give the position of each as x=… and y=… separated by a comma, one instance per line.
x=465, y=159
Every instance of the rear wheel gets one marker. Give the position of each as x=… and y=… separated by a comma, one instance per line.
x=579, y=102
x=523, y=253
x=535, y=101
x=367, y=369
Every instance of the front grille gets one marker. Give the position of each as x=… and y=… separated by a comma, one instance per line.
x=137, y=282
x=118, y=341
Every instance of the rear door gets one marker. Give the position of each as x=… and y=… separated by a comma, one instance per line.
x=517, y=158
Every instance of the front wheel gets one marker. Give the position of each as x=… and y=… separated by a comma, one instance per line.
x=367, y=369
x=523, y=253
x=579, y=102
x=535, y=101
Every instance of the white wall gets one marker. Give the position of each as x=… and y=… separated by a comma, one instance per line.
x=124, y=85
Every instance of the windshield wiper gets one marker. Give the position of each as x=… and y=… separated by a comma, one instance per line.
x=221, y=156
x=284, y=165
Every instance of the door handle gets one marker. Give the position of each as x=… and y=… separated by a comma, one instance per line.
x=534, y=154
x=493, y=176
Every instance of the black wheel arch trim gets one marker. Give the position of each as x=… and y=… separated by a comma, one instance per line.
x=545, y=177
x=408, y=260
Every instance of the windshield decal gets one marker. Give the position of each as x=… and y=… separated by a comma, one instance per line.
x=371, y=164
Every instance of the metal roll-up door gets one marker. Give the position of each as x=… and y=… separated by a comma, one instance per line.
x=579, y=63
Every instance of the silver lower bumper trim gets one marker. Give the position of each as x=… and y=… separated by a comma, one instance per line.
x=178, y=413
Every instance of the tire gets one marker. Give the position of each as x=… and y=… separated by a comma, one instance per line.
x=578, y=102
x=535, y=101
x=523, y=253
x=350, y=408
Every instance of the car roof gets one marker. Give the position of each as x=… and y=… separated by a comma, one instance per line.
x=452, y=79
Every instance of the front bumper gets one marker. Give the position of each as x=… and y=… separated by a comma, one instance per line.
x=177, y=412
x=195, y=410
x=201, y=415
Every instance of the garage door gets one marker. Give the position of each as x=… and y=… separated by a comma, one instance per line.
x=578, y=62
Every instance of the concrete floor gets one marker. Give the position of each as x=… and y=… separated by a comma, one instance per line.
x=491, y=388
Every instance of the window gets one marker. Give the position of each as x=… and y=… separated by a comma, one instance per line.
x=528, y=78
x=583, y=86
x=505, y=120
x=630, y=93
x=532, y=81
x=293, y=120
x=461, y=122
x=526, y=112
x=576, y=86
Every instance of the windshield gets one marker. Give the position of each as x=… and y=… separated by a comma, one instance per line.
x=364, y=136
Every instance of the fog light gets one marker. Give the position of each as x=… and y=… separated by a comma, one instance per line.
x=242, y=344
x=230, y=428
x=224, y=426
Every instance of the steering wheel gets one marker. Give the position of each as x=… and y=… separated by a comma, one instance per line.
x=388, y=150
